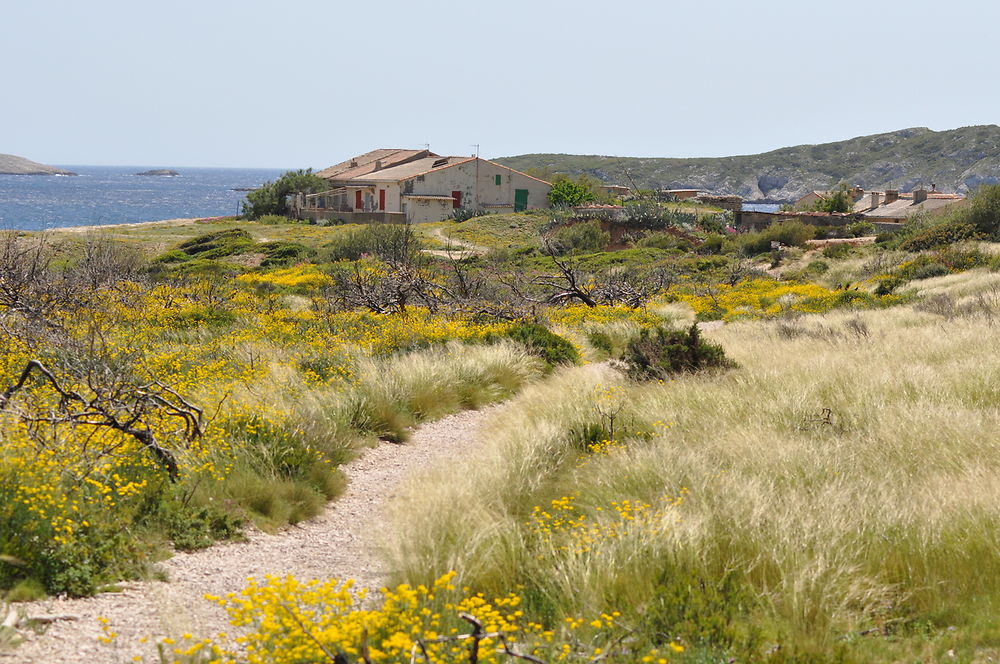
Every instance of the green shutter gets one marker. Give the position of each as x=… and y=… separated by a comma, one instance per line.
x=498, y=180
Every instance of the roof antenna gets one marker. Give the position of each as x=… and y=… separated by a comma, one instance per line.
x=475, y=145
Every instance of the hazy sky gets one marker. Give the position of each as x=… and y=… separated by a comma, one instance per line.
x=297, y=83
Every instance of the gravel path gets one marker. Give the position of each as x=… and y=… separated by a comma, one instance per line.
x=459, y=250
x=342, y=542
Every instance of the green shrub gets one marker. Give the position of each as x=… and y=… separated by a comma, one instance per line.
x=713, y=244
x=218, y=244
x=888, y=285
x=860, y=229
x=937, y=236
x=665, y=240
x=172, y=256
x=274, y=219
x=930, y=270
x=282, y=253
x=660, y=353
x=582, y=237
x=601, y=341
x=710, y=613
x=542, y=342
x=817, y=267
x=389, y=242
x=836, y=250
x=792, y=233
x=984, y=211
x=271, y=198
x=566, y=192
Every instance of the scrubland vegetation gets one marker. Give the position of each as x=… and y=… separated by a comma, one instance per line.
x=814, y=481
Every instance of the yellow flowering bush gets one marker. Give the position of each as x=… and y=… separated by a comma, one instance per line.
x=292, y=622
x=68, y=484
x=303, y=277
x=762, y=298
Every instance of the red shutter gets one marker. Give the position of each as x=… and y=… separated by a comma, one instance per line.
x=381, y=199
x=357, y=200
x=457, y=195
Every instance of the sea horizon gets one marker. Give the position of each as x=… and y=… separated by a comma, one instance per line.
x=106, y=195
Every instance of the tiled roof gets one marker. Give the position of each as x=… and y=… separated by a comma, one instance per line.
x=411, y=169
x=906, y=207
x=365, y=163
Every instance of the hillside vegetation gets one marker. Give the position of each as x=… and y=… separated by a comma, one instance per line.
x=957, y=160
x=814, y=480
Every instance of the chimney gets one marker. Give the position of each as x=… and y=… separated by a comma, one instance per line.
x=875, y=199
x=857, y=193
x=919, y=195
x=378, y=164
x=891, y=196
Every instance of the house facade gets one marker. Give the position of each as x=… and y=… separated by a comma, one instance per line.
x=418, y=187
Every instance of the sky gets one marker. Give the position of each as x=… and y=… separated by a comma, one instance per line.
x=309, y=83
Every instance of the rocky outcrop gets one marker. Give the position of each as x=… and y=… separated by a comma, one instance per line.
x=14, y=165
x=163, y=172
x=957, y=161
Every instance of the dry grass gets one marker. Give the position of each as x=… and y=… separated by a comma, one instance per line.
x=845, y=480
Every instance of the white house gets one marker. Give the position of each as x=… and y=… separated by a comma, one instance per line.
x=419, y=186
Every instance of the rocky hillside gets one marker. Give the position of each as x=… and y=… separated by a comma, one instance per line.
x=13, y=165
x=955, y=161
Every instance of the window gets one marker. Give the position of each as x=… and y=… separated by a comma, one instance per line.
x=498, y=179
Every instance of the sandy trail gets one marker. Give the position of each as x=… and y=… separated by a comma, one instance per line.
x=460, y=249
x=132, y=225
x=342, y=542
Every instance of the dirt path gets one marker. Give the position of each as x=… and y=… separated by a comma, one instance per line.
x=462, y=249
x=342, y=542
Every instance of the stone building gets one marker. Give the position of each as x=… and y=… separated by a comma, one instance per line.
x=418, y=186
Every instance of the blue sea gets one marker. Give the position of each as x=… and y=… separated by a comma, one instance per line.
x=761, y=207
x=116, y=195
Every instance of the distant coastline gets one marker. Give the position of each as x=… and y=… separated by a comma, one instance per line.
x=11, y=164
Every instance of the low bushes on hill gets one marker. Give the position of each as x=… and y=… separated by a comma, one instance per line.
x=660, y=353
x=792, y=233
x=542, y=342
x=389, y=242
x=282, y=253
x=937, y=236
x=218, y=244
x=583, y=237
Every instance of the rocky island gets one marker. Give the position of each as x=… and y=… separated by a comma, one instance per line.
x=14, y=165
x=164, y=172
